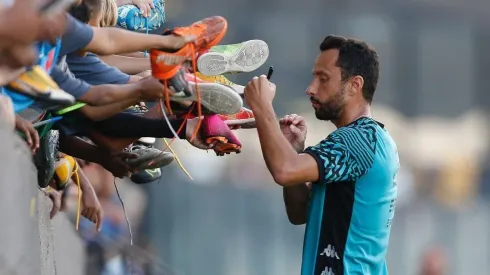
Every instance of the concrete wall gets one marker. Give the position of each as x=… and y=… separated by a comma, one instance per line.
x=62, y=251
x=30, y=243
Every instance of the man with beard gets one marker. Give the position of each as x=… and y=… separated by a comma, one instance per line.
x=344, y=187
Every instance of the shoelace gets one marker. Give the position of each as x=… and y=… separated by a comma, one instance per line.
x=147, y=24
x=168, y=144
x=178, y=160
x=147, y=31
x=125, y=213
x=169, y=108
x=77, y=181
x=198, y=95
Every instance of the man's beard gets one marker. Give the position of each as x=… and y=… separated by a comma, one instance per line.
x=332, y=109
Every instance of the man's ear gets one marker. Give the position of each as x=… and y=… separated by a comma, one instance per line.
x=357, y=83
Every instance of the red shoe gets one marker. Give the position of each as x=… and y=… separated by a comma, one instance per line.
x=214, y=130
x=244, y=119
x=208, y=32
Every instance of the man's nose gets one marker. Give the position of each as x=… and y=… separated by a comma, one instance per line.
x=310, y=90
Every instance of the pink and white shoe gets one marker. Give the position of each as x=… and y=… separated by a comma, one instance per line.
x=214, y=130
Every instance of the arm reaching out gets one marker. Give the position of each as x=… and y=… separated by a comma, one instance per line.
x=128, y=65
x=79, y=36
x=107, y=41
x=90, y=203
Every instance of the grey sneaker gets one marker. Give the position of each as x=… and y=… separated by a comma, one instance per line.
x=215, y=97
x=148, y=158
x=147, y=176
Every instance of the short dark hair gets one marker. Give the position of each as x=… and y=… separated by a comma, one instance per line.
x=355, y=58
x=85, y=9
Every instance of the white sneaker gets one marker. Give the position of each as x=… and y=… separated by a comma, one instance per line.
x=243, y=57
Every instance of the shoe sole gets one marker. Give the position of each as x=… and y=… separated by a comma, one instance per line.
x=45, y=158
x=213, y=30
x=239, y=121
x=249, y=57
x=55, y=96
x=221, y=34
x=250, y=125
x=216, y=139
x=38, y=84
x=164, y=161
x=222, y=146
x=227, y=148
x=217, y=98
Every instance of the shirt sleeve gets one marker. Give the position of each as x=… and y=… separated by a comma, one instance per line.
x=343, y=156
x=95, y=72
x=67, y=82
x=77, y=36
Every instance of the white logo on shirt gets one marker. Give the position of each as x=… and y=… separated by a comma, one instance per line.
x=327, y=271
x=330, y=252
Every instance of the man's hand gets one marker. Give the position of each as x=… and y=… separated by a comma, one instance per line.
x=151, y=89
x=293, y=127
x=91, y=207
x=116, y=164
x=259, y=91
x=198, y=141
x=32, y=136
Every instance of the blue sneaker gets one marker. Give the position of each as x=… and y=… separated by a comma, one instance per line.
x=130, y=17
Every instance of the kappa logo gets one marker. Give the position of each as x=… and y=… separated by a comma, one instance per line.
x=327, y=271
x=170, y=59
x=330, y=252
